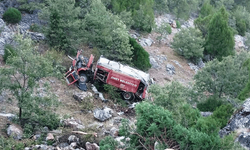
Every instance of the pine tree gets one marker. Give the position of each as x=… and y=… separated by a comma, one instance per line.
x=220, y=40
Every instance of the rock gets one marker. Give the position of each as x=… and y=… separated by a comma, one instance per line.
x=170, y=69
x=103, y=114
x=15, y=131
x=63, y=145
x=114, y=132
x=97, y=125
x=93, y=146
x=73, y=144
x=82, y=96
x=238, y=122
x=117, y=120
x=239, y=42
x=174, y=24
x=8, y=116
x=153, y=62
x=72, y=123
x=177, y=63
x=200, y=63
x=193, y=67
x=244, y=139
x=50, y=137
x=98, y=94
x=146, y=42
x=206, y=114
x=72, y=139
x=119, y=140
x=35, y=36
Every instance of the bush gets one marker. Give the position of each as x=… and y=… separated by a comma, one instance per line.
x=9, y=51
x=178, y=24
x=140, y=57
x=222, y=114
x=12, y=15
x=241, y=27
x=210, y=104
x=108, y=143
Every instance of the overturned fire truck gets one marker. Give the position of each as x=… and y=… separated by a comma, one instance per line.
x=132, y=83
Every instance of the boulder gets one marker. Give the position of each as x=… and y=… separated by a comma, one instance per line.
x=73, y=138
x=73, y=123
x=114, y=132
x=146, y=42
x=200, y=63
x=193, y=67
x=239, y=121
x=170, y=69
x=82, y=96
x=153, y=62
x=50, y=137
x=15, y=131
x=206, y=114
x=93, y=146
x=103, y=114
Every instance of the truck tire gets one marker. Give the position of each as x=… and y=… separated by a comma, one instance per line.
x=83, y=78
x=128, y=96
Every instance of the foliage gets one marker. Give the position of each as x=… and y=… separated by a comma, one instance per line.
x=108, y=143
x=245, y=93
x=178, y=24
x=9, y=51
x=114, y=94
x=189, y=43
x=108, y=33
x=10, y=143
x=140, y=57
x=207, y=125
x=65, y=30
x=210, y=104
x=142, y=12
x=161, y=6
x=242, y=19
x=222, y=114
x=182, y=8
x=220, y=40
x=188, y=116
x=206, y=9
x=202, y=24
x=21, y=79
x=164, y=29
x=12, y=15
x=225, y=78
x=30, y=6
x=124, y=128
x=171, y=96
x=35, y=28
x=156, y=124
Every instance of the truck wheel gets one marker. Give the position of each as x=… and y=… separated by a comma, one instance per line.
x=128, y=96
x=83, y=78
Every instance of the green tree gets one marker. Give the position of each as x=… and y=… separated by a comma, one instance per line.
x=242, y=17
x=142, y=12
x=12, y=15
x=225, y=78
x=189, y=43
x=161, y=6
x=164, y=29
x=220, y=40
x=140, y=57
x=21, y=79
x=206, y=9
x=107, y=32
x=65, y=30
x=202, y=24
x=182, y=8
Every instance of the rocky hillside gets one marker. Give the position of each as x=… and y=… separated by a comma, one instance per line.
x=85, y=118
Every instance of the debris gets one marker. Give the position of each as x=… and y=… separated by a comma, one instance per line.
x=103, y=114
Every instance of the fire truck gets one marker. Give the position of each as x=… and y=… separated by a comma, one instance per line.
x=131, y=82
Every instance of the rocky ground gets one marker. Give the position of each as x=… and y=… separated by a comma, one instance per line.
x=79, y=110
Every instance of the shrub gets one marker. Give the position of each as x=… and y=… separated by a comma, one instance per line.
x=140, y=57
x=178, y=24
x=210, y=104
x=9, y=51
x=12, y=15
x=222, y=114
x=207, y=125
x=34, y=28
x=108, y=143
x=241, y=27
